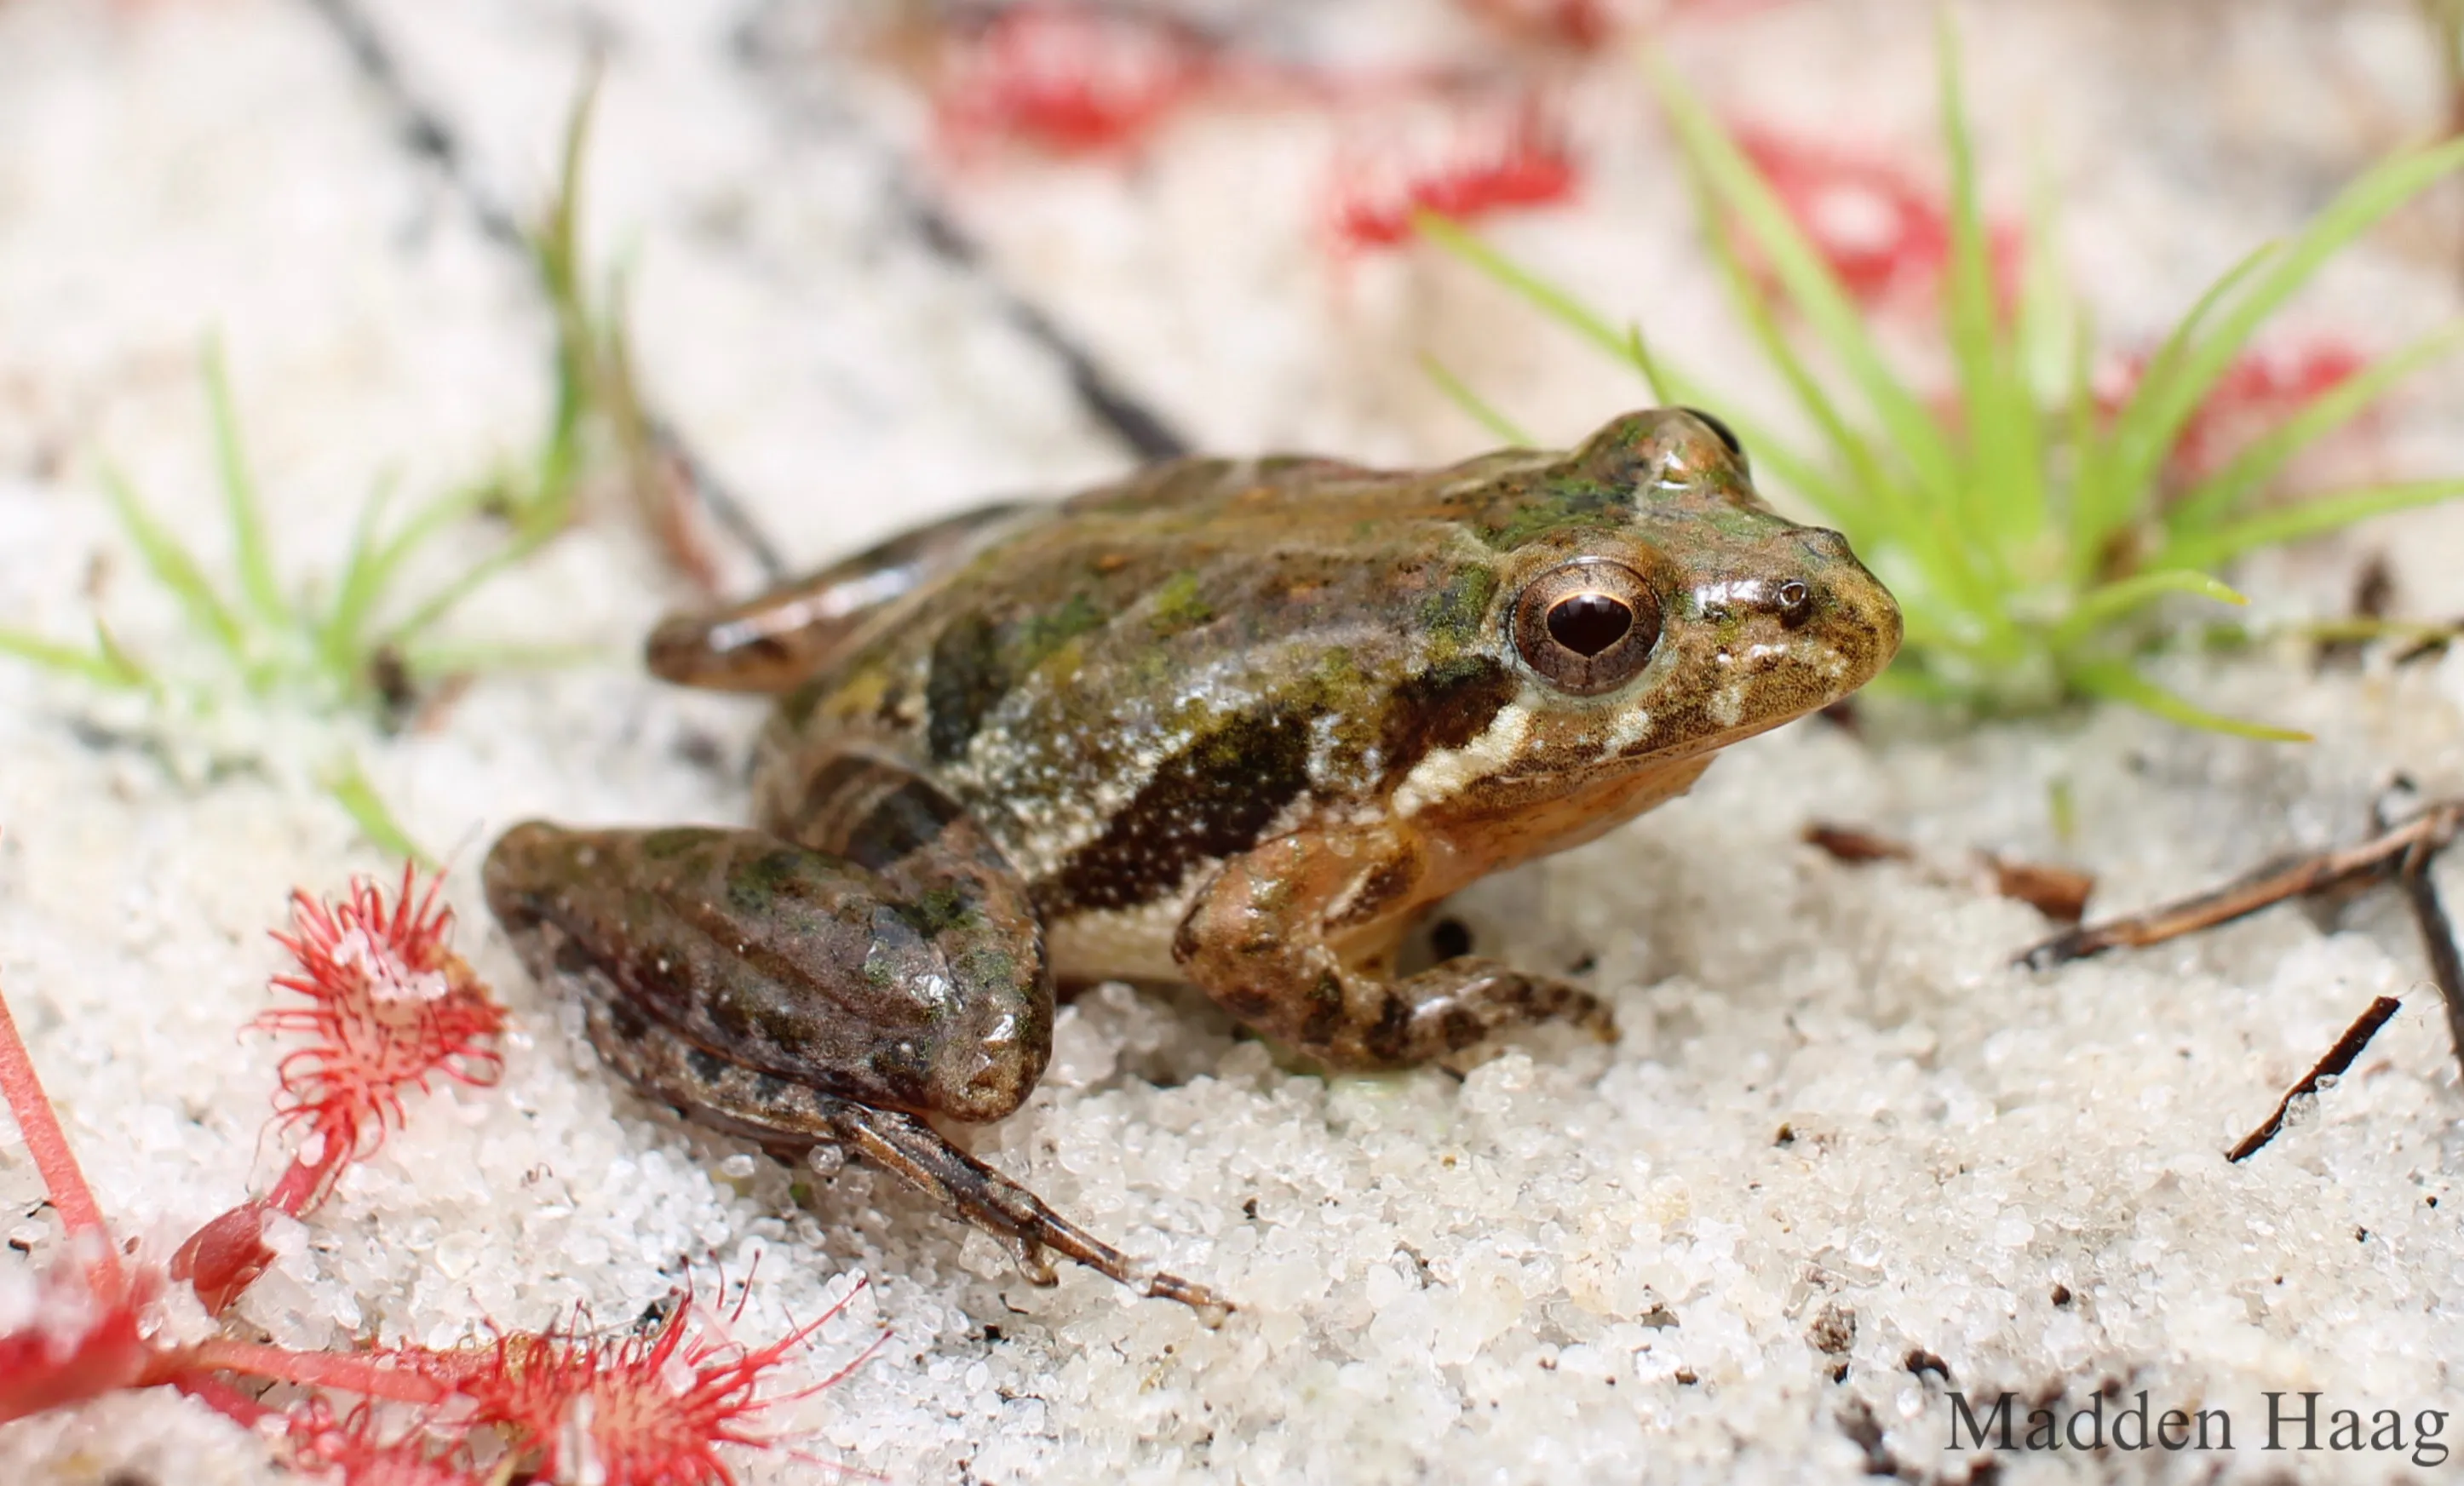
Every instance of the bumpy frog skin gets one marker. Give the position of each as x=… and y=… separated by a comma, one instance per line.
x=1237, y=723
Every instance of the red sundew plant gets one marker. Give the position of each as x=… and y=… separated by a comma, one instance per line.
x=1068, y=79
x=93, y=1326
x=390, y=1006
x=1525, y=165
x=354, y=1446
x=650, y=1408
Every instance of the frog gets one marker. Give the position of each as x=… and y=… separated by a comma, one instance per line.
x=1235, y=723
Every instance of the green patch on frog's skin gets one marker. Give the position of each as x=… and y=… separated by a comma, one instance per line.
x=1042, y=634
x=937, y=912
x=1564, y=505
x=1454, y=615
x=755, y=887
x=1178, y=606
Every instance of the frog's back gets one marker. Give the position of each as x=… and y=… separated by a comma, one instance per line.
x=1158, y=672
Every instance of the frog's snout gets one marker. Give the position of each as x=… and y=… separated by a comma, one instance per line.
x=1853, y=613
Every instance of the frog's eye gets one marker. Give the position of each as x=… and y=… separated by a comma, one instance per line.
x=1588, y=625
x=1727, y=435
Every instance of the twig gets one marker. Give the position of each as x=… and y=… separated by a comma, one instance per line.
x=2060, y=893
x=2437, y=940
x=2286, y=877
x=2339, y=1057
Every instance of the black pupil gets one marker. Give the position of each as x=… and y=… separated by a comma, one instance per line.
x=1587, y=623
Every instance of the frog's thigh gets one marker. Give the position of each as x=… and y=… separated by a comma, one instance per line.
x=917, y=992
x=786, y=1117
x=1257, y=940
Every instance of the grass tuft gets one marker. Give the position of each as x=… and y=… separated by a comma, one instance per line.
x=360, y=638
x=2028, y=531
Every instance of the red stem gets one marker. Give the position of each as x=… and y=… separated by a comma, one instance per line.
x=348, y=1371
x=61, y=1176
x=226, y=1400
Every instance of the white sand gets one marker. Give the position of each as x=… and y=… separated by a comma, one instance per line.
x=1577, y=1264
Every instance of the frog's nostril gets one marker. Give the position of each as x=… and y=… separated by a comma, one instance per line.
x=1794, y=601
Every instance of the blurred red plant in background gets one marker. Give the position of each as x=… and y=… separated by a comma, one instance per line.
x=1065, y=77
x=1518, y=160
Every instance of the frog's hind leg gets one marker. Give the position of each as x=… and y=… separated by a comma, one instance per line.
x=797, y=996
x=788, y=1118
x=775, y=640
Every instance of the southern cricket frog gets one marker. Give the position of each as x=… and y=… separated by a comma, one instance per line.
x=1235, y=723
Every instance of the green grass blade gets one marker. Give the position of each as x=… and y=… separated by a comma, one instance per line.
x=2111, y=485
x=175, y=569
x=433, y=661
x=442, y=601
x=1811, y=286
x=1547, y=297
x=2091, y=453
x=1858, y=506
x=359, y=799
x=2001, y=497
x=2156, y=415
x=2311, y=517
x=1473, y=405
x=1668, y=385
x=104, y=666
x=1639, y=352
x=2115, y=681
x=2050, y=327
x=107, y=646
x=337, y=638
x=2214, y=497
x=2098, y=608
x=249, y=553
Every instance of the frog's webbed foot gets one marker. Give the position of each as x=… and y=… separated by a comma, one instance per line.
x=786, y=1117
x=1256, y=941
x=975, y=1193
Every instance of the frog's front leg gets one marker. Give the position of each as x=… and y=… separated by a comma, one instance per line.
x=1260, y=940
x=799, y=995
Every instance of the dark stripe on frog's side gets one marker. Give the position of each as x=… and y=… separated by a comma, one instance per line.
x=1212, y=799
x=1444, y=707
x=976, y=663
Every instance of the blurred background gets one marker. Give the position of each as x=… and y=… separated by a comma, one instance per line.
x=875, y=258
